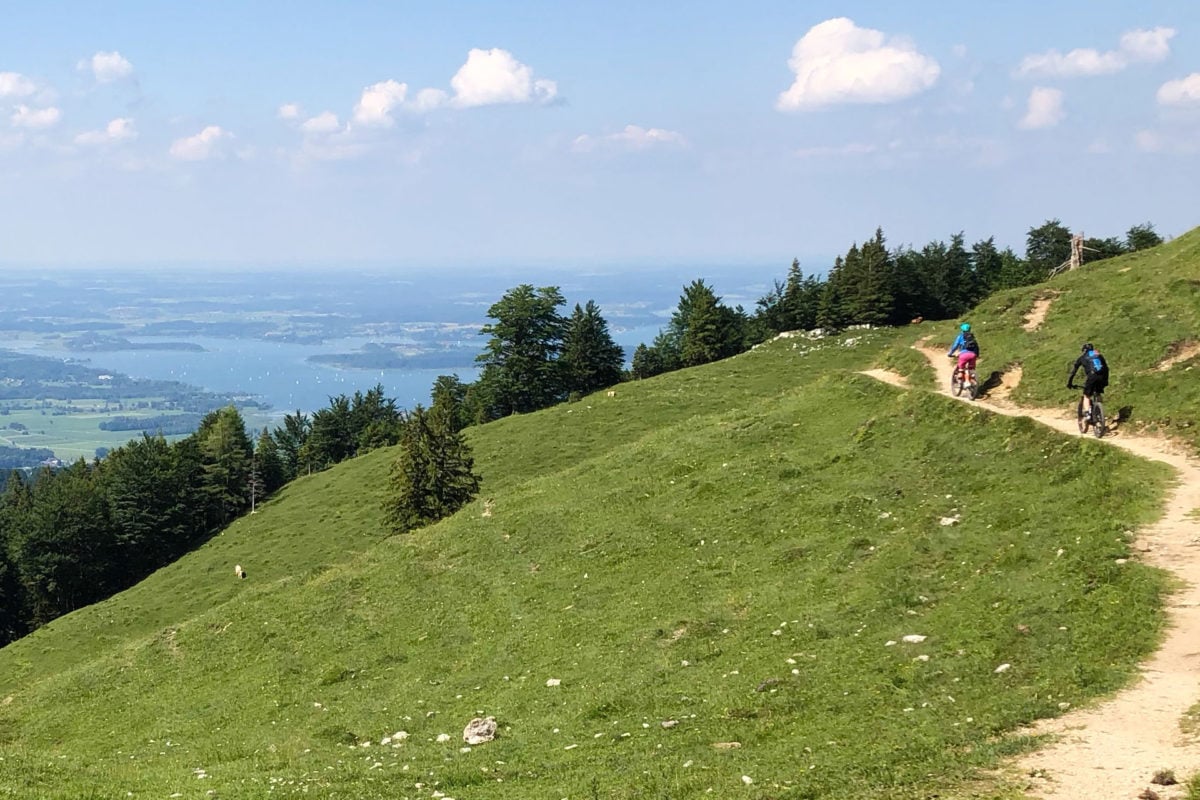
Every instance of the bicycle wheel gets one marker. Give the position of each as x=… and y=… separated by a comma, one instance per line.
x=1099, y=426
x=956, y=384
x=1084, y=419
x=973, y=386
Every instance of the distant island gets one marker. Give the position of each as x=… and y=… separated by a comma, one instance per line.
x=397, y=356
x=98, y=343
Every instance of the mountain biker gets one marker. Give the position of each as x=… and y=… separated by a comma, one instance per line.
x=967, y=347
x=1095, y=369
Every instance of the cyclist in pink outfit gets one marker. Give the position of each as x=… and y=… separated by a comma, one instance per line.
x=967, y=347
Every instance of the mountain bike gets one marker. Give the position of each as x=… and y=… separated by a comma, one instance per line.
x=1095, y=419
x=964, y=380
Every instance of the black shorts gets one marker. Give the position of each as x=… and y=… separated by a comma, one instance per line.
x=1096, y=383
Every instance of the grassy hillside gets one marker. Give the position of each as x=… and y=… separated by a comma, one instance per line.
x=737, y=549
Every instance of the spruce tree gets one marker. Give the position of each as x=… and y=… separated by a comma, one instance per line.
x=434, y=474
x=521, y=372
x=591, y=360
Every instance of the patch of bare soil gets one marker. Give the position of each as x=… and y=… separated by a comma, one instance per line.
x=887, y=376
x=1037, y=314
x=1115, y=748
x=1008, y=380
x=1179, y=352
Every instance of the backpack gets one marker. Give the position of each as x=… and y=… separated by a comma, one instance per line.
x=970, y=342
x=1099, y=365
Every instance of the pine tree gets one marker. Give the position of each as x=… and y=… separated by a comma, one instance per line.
x=66, y=554
x=987, y=264
x=702, y=329
x=646, y=363
x=290, y=438
x=434, y=474
x=831, y=307
x=141, y=488
x=867, y=277
x=451, y=393
x=521, y=372
x=269, y=464
x=225, y=453
x=591, y=360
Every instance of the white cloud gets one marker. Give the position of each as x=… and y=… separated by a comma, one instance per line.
x=1147, y=46
x=1136, y=46
x=428, y=100
x=118, y=130
x=107, y=67
x=26, y=117
x=632, y=137
x=1182, y=92
x=288, y=111
x=1045, y=109
x=201, y=146
x=494, y=76
x=325, y=122
x=14, y=84
x=839, y=62
x=375, y=106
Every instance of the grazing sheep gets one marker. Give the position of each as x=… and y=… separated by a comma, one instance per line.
x=918, y=320
x=237, y=570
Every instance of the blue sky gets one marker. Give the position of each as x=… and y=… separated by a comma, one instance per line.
x=583, y=134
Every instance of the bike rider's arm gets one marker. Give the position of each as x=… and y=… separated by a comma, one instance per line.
x=958, y=343
x=1074, y=368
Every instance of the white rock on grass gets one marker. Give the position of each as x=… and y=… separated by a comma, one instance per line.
x=913, y=638
x=553, y=682
x=947, y=521
x=443, y=737
x=1002, y=668
x=480, y=730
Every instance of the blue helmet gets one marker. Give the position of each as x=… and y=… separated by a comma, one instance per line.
x=966, y=326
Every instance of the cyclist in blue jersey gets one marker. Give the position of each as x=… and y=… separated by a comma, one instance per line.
x=967, y=348
x=1095, y=370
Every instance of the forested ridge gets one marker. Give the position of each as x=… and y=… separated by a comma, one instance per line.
x=75, y=535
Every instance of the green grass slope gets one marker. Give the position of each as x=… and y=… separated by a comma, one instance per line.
x=1139, y=310
x=700, y=585
x=716, y=569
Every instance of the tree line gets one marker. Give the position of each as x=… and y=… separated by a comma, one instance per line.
x=870, y=285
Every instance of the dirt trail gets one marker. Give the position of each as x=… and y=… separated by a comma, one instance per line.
x=1113, y=749
x=1037, y=314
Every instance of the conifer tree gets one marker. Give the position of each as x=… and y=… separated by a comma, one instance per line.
x=66, y=552
x=987, y=264
x=521, y=372
x=647, y=362
x=451, y=394
x=225, y=453
x=591, y=360
x=268, y=464
x=291, y=438
x=12, y=596
x=831, y=308
x=434, y=474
